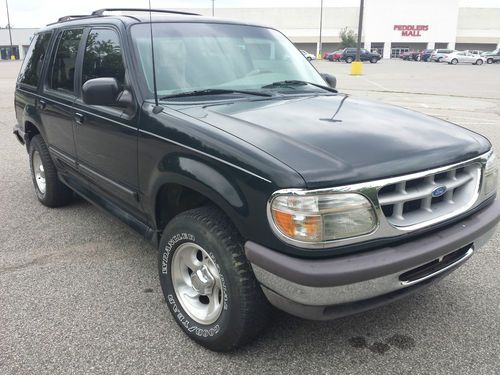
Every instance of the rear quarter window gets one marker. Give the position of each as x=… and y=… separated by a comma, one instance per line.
x=31, y=69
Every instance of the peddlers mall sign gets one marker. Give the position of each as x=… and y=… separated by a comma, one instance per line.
x=411, y=30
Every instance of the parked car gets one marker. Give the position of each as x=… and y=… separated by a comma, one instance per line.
x=438, y=54
x=259, y=183
x=308, y=55
x=410, y=55
x=492, y=57
x=463, y=57
x=326, y=54
x=475, y=51
x=425, y=55
x=405, y=55
x=349, y=55
x=335, y=56
x=415, y=56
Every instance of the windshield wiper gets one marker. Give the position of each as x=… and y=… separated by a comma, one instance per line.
x=297, y=83
x=214, y=92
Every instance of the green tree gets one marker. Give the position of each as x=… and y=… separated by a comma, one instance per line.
x=348, y=38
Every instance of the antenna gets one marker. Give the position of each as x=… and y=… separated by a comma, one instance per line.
x=153, y=58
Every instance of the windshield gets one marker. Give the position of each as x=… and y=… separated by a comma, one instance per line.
x=200, y=56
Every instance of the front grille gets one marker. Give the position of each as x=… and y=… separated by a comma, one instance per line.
x=416, y=201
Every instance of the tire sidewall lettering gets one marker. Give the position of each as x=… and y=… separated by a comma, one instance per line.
x=179, y=314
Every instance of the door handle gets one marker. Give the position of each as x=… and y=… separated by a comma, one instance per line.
x=42, y=104
x=79, y=118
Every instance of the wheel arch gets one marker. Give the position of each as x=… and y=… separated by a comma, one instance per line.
x=195, y=186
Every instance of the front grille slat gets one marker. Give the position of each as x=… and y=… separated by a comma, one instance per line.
x=411, y=202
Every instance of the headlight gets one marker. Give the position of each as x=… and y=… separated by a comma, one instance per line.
x=322, y=217
x=491, y=175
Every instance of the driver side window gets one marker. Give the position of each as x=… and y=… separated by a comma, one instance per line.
x=103, y=56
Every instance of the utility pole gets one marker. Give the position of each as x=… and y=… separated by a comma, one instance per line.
x=320, y=45
x=10, y=32
x=357, y=65
x=360, y=28
x=213, y=8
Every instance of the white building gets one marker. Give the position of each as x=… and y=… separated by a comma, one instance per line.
x=391, y=26
x=21, y=39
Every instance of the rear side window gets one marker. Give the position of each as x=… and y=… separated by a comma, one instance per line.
x=63, y=69
x=33, y=62
x=103, y=56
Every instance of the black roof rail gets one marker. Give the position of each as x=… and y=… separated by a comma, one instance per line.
x=100, y=12
x=71, y=17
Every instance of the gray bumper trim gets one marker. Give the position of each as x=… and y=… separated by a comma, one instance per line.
x=354, y=268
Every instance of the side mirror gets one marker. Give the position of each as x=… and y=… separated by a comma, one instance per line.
x=101, y=91
x=330, y=80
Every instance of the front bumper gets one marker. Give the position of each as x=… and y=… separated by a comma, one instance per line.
x=323, y=289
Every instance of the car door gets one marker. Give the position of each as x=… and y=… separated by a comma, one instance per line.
x=58, y=95
x=106, y=136
x=469, y=57
x=364, y=55
x=460, y=56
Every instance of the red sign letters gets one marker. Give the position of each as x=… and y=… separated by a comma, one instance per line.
x=411, y=30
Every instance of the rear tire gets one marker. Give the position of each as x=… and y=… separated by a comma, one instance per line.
x=207, y=282
x=454, y=62
x=479, y=62
x=489, y=61
x=50, y=191
x=438, y=59
x=349, y=60
x=373, y=60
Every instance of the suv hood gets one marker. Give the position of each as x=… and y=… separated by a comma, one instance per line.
x=336, y=140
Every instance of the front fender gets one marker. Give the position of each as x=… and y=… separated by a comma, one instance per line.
x=226, y=187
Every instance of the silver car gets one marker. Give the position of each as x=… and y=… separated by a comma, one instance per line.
x=438, y=54
x=466, y=57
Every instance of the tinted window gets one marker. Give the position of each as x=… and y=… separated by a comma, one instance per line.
x=33, y=62
x=63, y=68
x=103, y=56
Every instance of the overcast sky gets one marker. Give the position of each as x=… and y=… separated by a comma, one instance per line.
x=37, y=13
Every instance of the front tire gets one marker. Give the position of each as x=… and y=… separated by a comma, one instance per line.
x=349, y=60
x=454, y=61
x=373, y=60
x=50, y=191
x=489, y=61
x=479, y=62
x=208, y=284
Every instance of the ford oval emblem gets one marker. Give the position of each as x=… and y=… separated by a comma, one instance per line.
x=439, y=191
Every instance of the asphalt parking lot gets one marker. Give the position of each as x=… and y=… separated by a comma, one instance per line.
x=79, y=292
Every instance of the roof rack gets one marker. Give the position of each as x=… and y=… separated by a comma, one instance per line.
x=100, y=12
x=71, y=17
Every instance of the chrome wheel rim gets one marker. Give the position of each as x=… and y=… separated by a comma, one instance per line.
x=39, y=172
x=197, y=283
